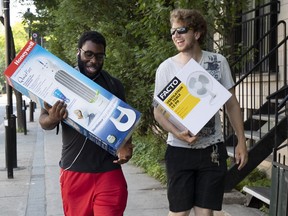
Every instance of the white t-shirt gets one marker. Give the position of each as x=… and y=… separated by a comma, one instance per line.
x=218, y=67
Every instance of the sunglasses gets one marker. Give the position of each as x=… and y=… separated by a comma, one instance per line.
x=180, y=30
x=89, y=55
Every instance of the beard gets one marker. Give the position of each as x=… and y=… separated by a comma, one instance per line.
x=82, y=65
x=186, y=46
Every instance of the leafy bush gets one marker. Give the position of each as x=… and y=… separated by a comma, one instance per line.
x=149, y=154
x=255, y=178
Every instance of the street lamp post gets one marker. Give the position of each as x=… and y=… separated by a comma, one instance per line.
x=28, y=15
x=10, y=119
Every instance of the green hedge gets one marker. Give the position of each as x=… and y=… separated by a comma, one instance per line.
x=149, y=154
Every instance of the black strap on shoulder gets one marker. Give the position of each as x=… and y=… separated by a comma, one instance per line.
x=110, y=82
x=57, y=129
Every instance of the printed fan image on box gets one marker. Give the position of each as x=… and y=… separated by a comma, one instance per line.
x=92, y=110
x=191, y=98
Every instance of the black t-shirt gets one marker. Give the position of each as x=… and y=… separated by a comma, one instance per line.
x=91, y=158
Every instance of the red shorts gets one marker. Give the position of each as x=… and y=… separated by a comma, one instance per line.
x=93, y=194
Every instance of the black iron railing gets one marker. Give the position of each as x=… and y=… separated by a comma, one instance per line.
x=279, y=188
x=260, y=71
x=256, y=80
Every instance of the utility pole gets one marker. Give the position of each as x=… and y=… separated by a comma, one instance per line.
x=10, y=119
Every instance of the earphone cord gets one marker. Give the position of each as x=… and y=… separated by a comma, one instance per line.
x=74, y=159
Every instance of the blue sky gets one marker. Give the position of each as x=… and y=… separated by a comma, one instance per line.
x=17, y=10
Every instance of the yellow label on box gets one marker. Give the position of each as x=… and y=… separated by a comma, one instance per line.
x=181, y=101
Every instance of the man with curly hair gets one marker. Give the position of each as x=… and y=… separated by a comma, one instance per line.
x=196, y=165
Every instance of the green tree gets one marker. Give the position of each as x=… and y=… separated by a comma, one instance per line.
x=19, y=38
x=2, y=60
x=2, y=53
x=137, y=34
x=19, y=35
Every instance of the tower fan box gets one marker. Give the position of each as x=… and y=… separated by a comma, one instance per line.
x=92, y=110
x=191, y=98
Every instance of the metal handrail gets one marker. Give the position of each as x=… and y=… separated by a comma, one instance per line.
x=274, y=94
x=261, y=61
x=258, y=42
x=271, y=52
x=260, y=7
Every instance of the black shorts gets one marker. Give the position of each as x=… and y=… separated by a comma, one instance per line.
x=193, y=179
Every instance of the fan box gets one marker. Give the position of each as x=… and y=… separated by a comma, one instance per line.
x=191, y=98
x=92, y=110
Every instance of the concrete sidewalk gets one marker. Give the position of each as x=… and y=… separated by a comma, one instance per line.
x=34, y=190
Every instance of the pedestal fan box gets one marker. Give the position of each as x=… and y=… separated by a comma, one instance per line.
x=191, y=98
x=92, y=110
